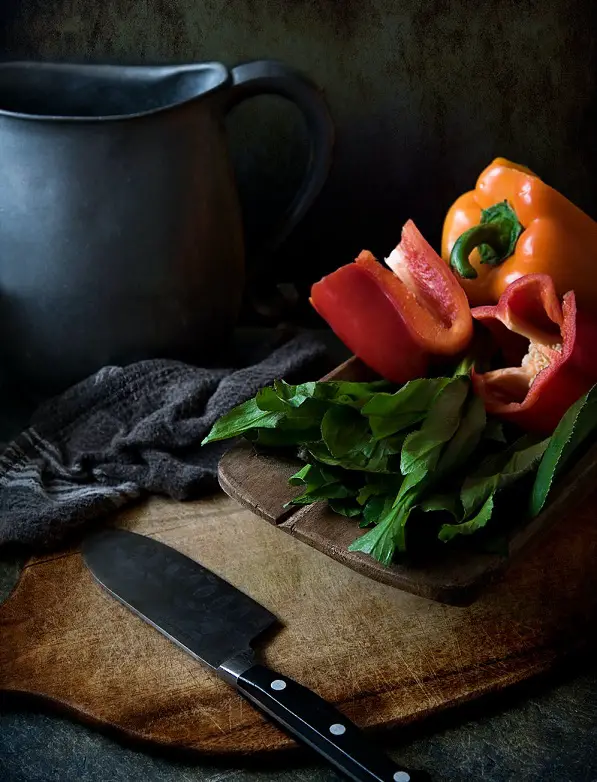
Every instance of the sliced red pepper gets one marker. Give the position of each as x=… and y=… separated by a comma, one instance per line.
x=550, y=349
x=395, y=321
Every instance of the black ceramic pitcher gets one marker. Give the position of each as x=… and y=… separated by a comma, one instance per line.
x=120, y=227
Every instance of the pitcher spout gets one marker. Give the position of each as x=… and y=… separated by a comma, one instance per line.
x=67, y=91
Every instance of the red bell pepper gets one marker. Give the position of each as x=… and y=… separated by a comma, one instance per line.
x=395, y=321
x=550, y=349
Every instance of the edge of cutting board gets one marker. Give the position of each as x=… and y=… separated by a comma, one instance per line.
x=384, y=657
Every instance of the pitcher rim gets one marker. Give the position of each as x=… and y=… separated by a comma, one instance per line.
x=81, y=119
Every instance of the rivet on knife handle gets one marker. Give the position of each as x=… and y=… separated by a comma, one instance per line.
x=318, y=724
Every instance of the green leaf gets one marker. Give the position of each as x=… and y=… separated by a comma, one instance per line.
x=467, y=437
x=477, y=522
x=423, y=447
x=242, y=419
x=576, y=425
x=446, y=503
x=413, y=484
x=380, y=455
x=378, y=484
x=494, y=430
x=376, y=508
x=299, y=409
x=501, y=470
x=329, y=491
x=283, y=437
x=294, y=395
x=343, y=430
x=374, y=458
x=301, y=476
x=315, y=475
x=268, y=400
x=346, y=392
x=348, y=508
x=321, y=483
x=391, y=413
x=388, y=536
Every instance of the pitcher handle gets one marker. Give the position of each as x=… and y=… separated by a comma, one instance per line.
x=270, y=77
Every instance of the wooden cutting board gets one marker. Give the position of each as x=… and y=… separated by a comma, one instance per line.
x=383, y=656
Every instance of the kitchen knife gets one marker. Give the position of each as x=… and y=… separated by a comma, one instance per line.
x=216, y=624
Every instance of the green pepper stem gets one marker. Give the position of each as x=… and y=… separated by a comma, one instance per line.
x=485, y=233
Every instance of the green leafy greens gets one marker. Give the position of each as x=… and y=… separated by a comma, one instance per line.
x=423, y=455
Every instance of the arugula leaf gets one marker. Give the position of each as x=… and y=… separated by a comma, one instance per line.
x=379, y=484
x=376, y=457
x=343, y=430
x=284, y=406
x=391, y=413
x=446, y=503
x=313, y=474
x=268, y=400
x=495, y=474
x=389, y=534
x=466, y=439
x=347, y=507
x=424, y=467
x=501, y=470
x=477, y=522
x=347, y=392
x=240, y=420
x=294, y=395
x=422, y=448
x=301, y=476
x=283, y=436
x=300, y=411
x=576, y=425
x=375, y=508
x=331, y=491
x=494, y=430
x=320, y=484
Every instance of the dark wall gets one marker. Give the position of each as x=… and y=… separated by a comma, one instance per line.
x=424, y=95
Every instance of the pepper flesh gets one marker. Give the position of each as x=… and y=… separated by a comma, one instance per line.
x=558, y=239
x=550, y=349
x=396, y=321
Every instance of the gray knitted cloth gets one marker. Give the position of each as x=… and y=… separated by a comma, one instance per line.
x=124, y=432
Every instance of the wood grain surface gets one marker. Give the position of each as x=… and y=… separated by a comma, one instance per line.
x=383, y=656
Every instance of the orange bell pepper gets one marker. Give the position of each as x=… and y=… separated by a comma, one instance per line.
x=514, y=224
x=396, y=321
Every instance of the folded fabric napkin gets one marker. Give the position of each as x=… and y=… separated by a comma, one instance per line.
x=124, y=432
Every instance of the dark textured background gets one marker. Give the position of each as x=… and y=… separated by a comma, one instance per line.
x=424, y=95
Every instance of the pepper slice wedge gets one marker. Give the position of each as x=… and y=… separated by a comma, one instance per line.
x=550, y=349
x=397, y=319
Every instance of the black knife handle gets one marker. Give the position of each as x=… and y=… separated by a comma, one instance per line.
x=318, y=724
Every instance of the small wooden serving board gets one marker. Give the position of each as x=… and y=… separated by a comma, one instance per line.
x=383, y=656
x=456, y=576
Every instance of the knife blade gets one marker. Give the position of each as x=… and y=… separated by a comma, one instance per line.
x=217, y=624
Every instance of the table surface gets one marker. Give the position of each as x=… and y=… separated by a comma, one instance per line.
x=544, y=730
